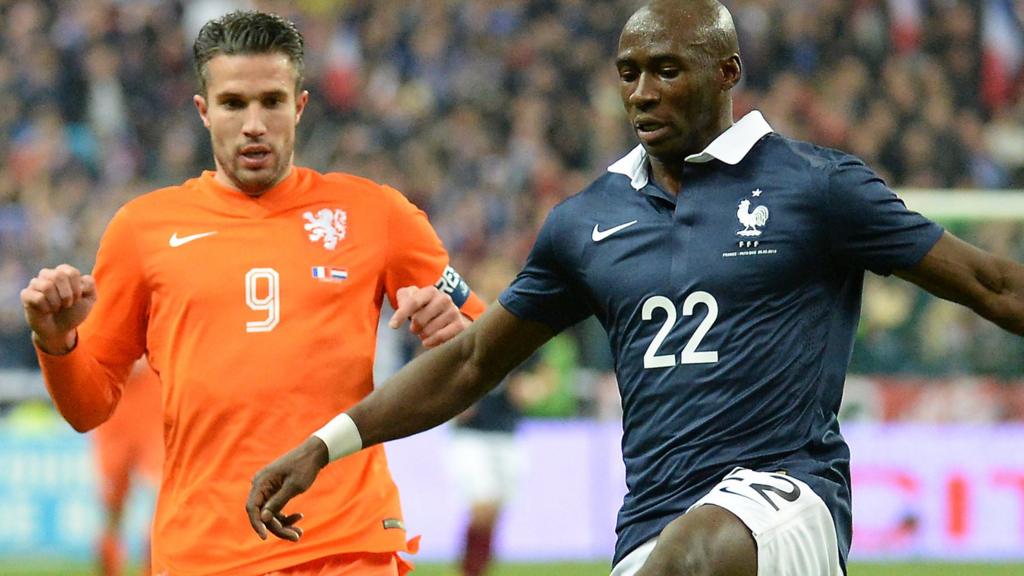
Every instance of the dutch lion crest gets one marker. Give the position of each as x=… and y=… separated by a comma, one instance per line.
x=327, y=225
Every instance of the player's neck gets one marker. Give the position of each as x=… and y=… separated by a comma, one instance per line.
x=667, y=177
x=667, y=173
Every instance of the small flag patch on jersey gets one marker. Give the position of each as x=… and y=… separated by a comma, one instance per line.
x=329, y=274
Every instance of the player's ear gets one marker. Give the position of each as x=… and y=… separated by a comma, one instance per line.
x=731, y=70
x=300, y=104
x=203, y=109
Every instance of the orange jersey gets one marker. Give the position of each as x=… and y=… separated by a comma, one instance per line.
x=132, y=440
x=260, y=316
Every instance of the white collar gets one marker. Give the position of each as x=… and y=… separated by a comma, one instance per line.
x=730, y=147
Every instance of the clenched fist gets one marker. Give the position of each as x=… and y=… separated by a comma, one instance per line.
x=56, y=301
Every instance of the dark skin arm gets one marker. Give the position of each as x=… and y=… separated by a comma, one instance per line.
x=428, y=391
x=990, y=285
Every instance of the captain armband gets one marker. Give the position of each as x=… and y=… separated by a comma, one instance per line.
x=341, y=437
x=452, y=284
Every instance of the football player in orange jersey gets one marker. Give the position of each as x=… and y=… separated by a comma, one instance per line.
x=255, y=292
x=128, y=448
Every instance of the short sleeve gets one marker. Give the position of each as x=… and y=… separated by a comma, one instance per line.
x=544, y=290
x=869, y=224
x=416, y=256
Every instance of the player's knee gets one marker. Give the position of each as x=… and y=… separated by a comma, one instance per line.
x=708, y=541
x=484, y=514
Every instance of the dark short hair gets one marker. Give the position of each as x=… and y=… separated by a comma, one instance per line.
x=248, y=32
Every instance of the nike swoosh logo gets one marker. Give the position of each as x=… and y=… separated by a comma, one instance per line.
x=182, y=240
x=727, y=491
x=599, y=235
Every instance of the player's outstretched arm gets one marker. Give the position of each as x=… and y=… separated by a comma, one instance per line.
x=431, y=314
x=430, y=390
x=990, y=285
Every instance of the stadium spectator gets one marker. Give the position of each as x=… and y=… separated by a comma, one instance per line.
x=398, y=79
x=128, y=449
x=734, y=460
x=166, y=148
x=255, y=291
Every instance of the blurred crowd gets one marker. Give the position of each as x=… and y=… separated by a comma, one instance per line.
x=488, y=112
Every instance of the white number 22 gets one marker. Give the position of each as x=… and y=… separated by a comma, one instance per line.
x=689, y=355
x=269, y=302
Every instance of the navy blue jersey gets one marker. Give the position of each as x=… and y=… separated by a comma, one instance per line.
x=730, y=309
x=495, y=412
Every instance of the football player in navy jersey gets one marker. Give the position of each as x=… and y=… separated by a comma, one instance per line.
x=726, y=263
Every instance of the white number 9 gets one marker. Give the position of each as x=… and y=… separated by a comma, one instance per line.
x=269, y=303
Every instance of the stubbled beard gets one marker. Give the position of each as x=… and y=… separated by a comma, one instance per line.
x=250, y=182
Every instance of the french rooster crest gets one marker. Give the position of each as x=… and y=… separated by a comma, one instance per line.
x=751, y=219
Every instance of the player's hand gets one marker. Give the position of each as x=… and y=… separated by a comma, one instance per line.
x=279, y=482
x=56, y=301
x=432, y=314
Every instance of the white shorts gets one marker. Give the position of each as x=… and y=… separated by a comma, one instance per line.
x=486, y=466
x=792, y=526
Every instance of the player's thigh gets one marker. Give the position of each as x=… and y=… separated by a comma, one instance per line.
x=510, y=463
x=114, y=463
x=474, y=466
x=151, y=461
x=791, y=524
x=791, y=527
x=706, y=541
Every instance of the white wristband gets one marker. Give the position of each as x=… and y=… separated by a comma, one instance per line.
x=341, y=437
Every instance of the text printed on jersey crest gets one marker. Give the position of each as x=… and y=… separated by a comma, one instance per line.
x=176, y=240
x=599, y=234
x=326, y=225
x=752, y=220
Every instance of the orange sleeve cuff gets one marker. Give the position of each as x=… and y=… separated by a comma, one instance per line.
x=83, y=390
x=473, y=307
